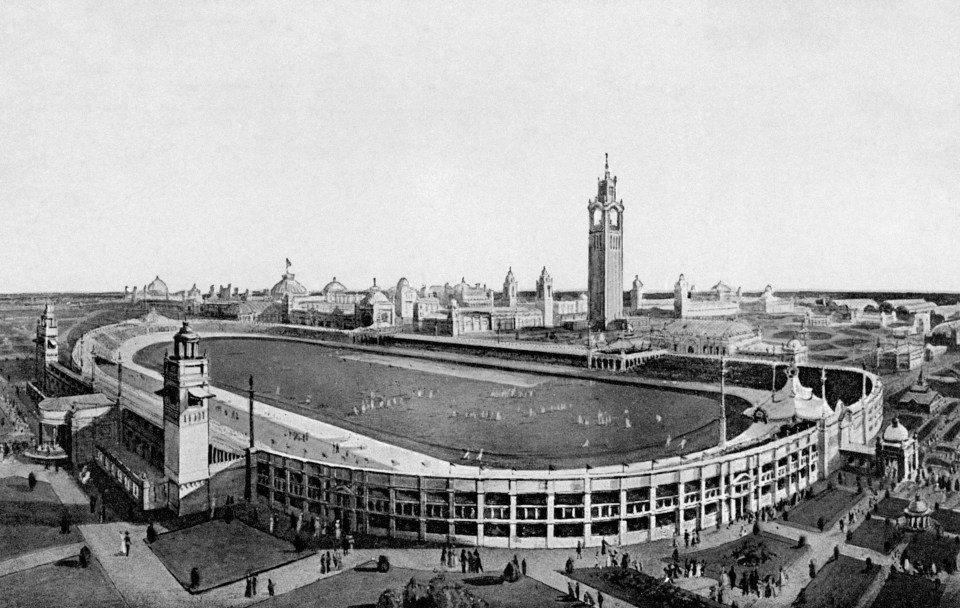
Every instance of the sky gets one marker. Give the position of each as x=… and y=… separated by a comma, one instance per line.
x=799, y=144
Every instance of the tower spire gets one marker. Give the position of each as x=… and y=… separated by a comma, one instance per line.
x=606, y=165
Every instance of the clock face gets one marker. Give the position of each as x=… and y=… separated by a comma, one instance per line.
x=614, y=217
x=597, y=217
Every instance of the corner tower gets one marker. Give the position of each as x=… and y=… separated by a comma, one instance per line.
x=605, y=262
x=545, y=296
x=186, y=423
x=510, y=289
x=47, y=349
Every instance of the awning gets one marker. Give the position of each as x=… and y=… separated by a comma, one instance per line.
x=200, y=393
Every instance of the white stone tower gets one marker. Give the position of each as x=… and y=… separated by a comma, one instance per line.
x=510, y=289
x=48, y=348
x=636, y=295
x=681, y=295
x=186, y=423
x=605, y=263
x=545, y=296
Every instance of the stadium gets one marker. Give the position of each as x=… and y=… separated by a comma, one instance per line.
x=518, y=451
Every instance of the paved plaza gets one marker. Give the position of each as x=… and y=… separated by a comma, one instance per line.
x=141, y=579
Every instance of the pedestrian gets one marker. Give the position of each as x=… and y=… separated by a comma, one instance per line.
x=686, y=538
x=476, y=554
x=151, y=533
x=270, y=587
x=253, y=584
x=194, y=578
x=123, y=545
x=443, y=556
x=579, y=549
x=93, y=504
x=523, y=566
x=451, y=558
x=463, y=561
x=599, y=599
x=248, y=588
x=577, y=592
x=596, y=560
x=126, y=543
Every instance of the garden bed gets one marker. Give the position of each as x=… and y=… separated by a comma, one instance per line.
x=891, y=507
x=927, y=548
x=766, y=552
x=222, y=552
x=902, y=590
x=831, y=505
x=877, y=535
x=841, y=582
x=640, y=589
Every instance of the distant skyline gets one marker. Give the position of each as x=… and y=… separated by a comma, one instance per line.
x=810, y=145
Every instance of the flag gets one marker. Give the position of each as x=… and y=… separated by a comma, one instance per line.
x=288, y=263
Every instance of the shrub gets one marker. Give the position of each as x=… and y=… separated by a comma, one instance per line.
x=821, y=524
x=802, y=541
x=869, y=563
x=813, y=569
x=887, y=547
x=299, y=545
x=849, y=535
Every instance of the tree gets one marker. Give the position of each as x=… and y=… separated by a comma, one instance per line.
x=194, y=577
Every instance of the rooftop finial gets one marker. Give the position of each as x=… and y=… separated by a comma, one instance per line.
x=606, y=161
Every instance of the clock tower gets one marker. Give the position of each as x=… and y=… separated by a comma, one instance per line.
x=605, y=262
x=186, y=424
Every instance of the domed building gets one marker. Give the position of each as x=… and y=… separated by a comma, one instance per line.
x=897, y=456
x=375, y=310
x=156, y=290
x=287, y=286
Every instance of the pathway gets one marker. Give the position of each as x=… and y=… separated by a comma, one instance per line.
x=39, y=558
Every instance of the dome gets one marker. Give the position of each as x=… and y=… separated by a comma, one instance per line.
x=186, y=334
x=896, y=432
x=334, y=285
x=157, y=286
x=375, y=297
x=402, y=284
x=288, y=285
x=794, y=344
x=917, y=507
